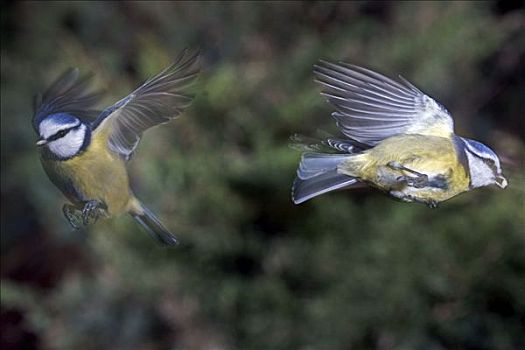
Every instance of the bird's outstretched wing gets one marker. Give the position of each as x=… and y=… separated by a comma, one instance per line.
x=157, y=101
x=371, y=107
x=68, y=94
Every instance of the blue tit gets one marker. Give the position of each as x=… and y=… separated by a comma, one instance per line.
x=398, y=140
x=84, y=152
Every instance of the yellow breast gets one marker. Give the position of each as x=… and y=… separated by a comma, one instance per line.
x=99, y=174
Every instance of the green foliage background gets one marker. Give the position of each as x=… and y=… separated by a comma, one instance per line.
x=348, y=270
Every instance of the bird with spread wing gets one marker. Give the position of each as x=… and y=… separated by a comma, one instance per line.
x=84, y=152
x=397, y=139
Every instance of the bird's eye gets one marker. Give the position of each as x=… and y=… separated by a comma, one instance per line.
x=58, y=135
x=491, y=163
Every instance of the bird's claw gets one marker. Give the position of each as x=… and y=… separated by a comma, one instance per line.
x=409, y=198
x=92, y=211
x=432, y=203
x=73, y=216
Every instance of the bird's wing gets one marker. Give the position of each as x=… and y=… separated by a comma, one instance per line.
x=157, y=101
x=371, y=107
x=68, y=94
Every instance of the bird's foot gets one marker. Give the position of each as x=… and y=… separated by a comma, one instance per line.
x=432, y=203
x=409, y=198
x=73, y=216
x=419, y=180
x=92, y=210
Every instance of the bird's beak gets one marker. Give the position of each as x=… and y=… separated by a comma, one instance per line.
x=501, y=182
x=41, y=142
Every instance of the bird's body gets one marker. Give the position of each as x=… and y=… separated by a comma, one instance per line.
x=398, y=140
x=98, y=174
x=84, y=152
x=427, y=156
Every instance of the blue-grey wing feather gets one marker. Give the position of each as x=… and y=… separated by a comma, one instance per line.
x=158, y=100
x=371, y=107
x=68, y=94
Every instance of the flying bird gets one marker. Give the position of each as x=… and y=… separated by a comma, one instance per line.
x=84, y=151
x=396, y=139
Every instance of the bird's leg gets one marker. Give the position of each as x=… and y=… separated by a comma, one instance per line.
x=409, y=198
x=388, y=178
x=402, y=196
x=418, y=181
x=92, y=211
x=73, y=215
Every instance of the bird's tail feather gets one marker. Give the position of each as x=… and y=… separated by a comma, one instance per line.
x=153, y=225
x=313, y=164
x=317, y=174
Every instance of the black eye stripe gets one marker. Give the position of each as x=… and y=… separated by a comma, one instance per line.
x=61, y=133
x=58, y=135
x=492, y=164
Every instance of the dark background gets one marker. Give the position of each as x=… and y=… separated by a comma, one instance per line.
x=346, y=270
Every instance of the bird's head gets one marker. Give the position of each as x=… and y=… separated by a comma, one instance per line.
x=484, y=165
x=63, y=135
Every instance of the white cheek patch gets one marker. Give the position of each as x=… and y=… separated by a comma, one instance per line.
x=70, y=144
x=49, y=127
x=480, y=173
